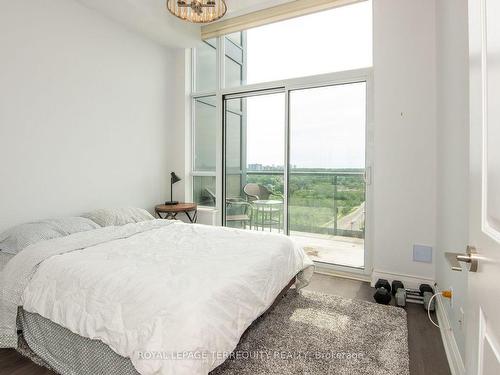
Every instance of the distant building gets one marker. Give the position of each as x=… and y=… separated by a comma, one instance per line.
x=260, y=167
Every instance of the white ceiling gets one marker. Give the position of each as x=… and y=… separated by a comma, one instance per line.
x=151, y=17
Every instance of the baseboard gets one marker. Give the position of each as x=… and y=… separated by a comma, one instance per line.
x=410, y=281
x=455, y=361
x=344, y=274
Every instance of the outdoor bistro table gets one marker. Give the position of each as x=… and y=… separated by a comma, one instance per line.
x=270, y=213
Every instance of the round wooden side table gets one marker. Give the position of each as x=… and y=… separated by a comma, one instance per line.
x=171, y=211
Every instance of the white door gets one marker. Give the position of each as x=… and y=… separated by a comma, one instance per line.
x=483, y=323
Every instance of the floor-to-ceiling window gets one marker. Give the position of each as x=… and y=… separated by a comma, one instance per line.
x=289, y=101
x=254, y=158
x=327, y=190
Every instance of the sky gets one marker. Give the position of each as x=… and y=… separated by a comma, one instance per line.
x=327, y=124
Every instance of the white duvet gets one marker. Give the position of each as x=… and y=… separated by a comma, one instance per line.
x=174, y=298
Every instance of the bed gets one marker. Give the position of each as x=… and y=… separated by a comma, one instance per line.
x=152, y=297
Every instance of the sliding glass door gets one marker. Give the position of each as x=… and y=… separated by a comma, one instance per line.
x=326, y=191
x=254, y=158
x=294, y=163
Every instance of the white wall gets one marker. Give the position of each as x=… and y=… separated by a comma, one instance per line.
x=85, y=110
x=421, y=141
x=453, y=158
x=404, y=171
x=405, y=133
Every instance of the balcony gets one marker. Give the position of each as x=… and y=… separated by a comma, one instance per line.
x=326, y=210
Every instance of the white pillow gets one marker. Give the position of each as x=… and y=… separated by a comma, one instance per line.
x=21, y=236
x=118, y=216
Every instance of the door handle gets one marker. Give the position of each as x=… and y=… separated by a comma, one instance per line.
x=470, y=257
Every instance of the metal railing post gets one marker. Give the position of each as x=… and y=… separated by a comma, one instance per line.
x=335, y=214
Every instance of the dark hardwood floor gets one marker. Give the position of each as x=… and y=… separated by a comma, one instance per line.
x=427, y=355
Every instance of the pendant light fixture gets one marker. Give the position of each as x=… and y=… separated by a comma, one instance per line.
x=197, y=11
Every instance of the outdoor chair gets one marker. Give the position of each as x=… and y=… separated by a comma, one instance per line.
x=238, y=211
x=268, y=211
x=259, y=192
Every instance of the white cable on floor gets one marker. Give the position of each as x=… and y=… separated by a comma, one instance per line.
x=429, y=309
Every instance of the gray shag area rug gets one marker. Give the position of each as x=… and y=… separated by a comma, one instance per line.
x=311, y=333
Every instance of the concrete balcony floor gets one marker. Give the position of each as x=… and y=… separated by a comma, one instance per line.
x=339, y=250
x=345, y=251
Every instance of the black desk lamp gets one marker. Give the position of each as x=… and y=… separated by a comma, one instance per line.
x=173, y=179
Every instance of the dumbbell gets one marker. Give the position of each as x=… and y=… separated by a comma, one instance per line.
x=383, y=293
x=396, y=284
x=413, y=295
x=399, y=293
x=421, y=295
x=425, y=288
x=427, y=293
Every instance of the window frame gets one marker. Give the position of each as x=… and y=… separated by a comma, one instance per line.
x=287, y=85
x=220, y=47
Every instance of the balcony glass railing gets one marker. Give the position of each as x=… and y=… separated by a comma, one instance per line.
x=320, y=202
x=323, y=202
